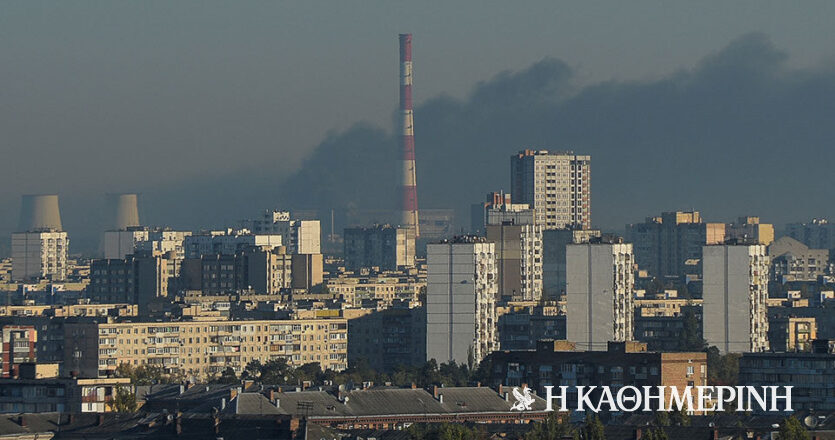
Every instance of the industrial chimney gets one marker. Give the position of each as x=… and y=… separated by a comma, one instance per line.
x=39, y=213
x=124, y=209
x=409, y=201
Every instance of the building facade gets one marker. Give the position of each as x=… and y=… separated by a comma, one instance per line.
x=735, y=296
x=671, y=245
x=557, y=186
x=792, y=260
x=40, y=254
x=461, y=293
x=383, y=246
x=554, y=242
x=203, y=349
x=518, y=259
x=599, y=293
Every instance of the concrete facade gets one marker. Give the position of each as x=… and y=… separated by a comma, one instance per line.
x=557, y=186
x=39, y=255
x=599, y=294
x=519, y=260
x=460, y=300
x=383, y=246
x=735, y=294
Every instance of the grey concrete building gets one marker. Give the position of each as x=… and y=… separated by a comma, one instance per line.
x=554, y=242
x=460, y=300
x=599, y=293
x=792, y=260
x=735, y=294
x=383, y=246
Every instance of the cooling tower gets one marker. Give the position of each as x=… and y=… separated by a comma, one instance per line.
x=39, y=212
x=124, y=210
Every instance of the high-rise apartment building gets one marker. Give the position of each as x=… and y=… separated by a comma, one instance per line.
x=671, y=245
x=750, y=230
x=227, y=242
x=556, y=185
x=383, y=246
x=599, y=293
x=518, y=260
x=18, y=346
x=735, y=296
x=39, y=254
x=299, y=236
x=817, y=234
x=138, y=278
x=461, y=300
x=554, y=242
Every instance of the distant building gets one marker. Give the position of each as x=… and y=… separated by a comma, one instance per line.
x=556, y=185
x=18, y=348
x=665, y=245
x=750, y=230
x=497, y=209
x=792, y=260
x=389, y=338
x=520, y=328
x=554, y=242
x=383, y=246
x=791, y=333
x=59, y=395
x=260, y=269
x=299, y=236
x=39, y=254
x=136, y=279
x=599, y=293
x=227, y=242
x=460, y=300
x=735, y=294
x=163, y=241
x=121, y=243
x=519, y=260
x=817, y=234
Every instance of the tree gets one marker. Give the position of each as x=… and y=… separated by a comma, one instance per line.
x=691, y=335
x=553, y=427
x=722, y=370
x=656, y=433
x=124, y=401
x=593, y=429
x=680, y=418
x=143, y=374
x=791, y=429
x=662, y=418
x=228, y=376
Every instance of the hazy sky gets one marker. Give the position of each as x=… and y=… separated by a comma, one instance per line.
x=99, y=97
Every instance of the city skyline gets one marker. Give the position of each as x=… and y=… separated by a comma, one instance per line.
x=672, y=117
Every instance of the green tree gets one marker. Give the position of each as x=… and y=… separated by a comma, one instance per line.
x=791, y=429
x=143, y=374
x=228, y=376
x=592, y=429
x=553, y=427
x=691, y=335
x=680, y=418
x=722, y=370
x=656, y=433
x=662, y=418
x=124, y=401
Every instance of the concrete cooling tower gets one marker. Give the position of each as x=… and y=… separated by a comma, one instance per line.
x=39, y=213
x=125, y=210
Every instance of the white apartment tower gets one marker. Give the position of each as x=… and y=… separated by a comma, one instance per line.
x=556, y=185
x=735, y=295
x=299, y=236
x=40, y=250
x=461, y=300
x=600, y=282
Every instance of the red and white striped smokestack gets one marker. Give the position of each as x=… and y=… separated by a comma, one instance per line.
x=410, y=203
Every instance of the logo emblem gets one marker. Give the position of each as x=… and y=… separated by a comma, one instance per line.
x=523, y=399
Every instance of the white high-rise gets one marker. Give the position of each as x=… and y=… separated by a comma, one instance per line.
x=299, y=236
x=461, y=300
x=735, y=295
x=600, y=282
x=556, y=185
x=40, y=249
